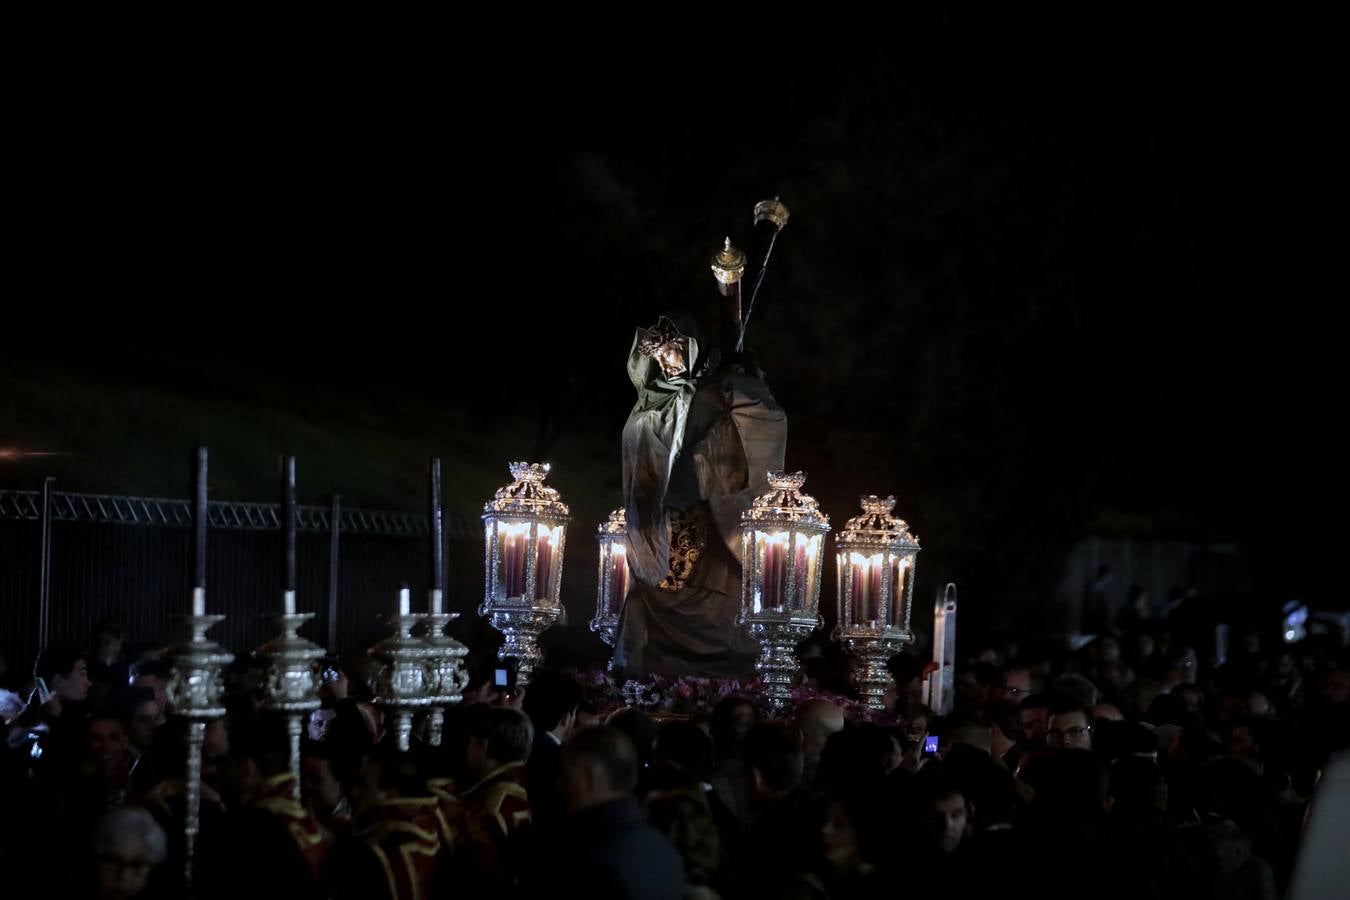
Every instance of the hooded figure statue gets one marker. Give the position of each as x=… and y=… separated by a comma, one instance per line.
x=697, y=450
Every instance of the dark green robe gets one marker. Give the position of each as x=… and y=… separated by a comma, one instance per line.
x=696, y=451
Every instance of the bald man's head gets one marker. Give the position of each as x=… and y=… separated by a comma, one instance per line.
x=816, y=720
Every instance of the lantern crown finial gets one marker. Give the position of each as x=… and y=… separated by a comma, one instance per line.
x=784, y=503
x=877, y=526
x=787, y=481
x=531, y=472
x=877, y=506
x=616, y=524
x=527, y=495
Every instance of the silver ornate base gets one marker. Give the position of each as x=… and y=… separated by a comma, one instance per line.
x=873, y=651
x=291, y=680
x=401, y=678
x=778, y=660
x=521, y=628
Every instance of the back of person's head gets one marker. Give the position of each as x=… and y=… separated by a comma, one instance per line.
x=1007, y=718
x=666, y=778
x=686, y=745
x=1072, y=791
x=551, y=698
x=109, y=627
x=640, y=728
x=732, y=717
x=1167, y=709
x=397, y=770
x=56, y=661
x=987, y=675
x=151, y=667
x=1138, y=788
x=507, y=733
x=263, y=741
x=1231, y=788
x=773, y=756
x=961, y=730
x=348, y=739
x=854, y=760
x=986, y=784
x=1074, y=689
x=816, y=719
x=607, y=752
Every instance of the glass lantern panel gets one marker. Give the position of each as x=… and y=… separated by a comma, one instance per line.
x=900, y=569
x=806, y=550
x=548, y=558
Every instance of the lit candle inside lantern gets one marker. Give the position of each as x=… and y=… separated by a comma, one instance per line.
x=804, y=565
x=618, y=577
x=513, y=542
x=875, y=573
x=858, y=566
x=867, y=574
x=545, y=550
x=775, y=569
x=898, y=594
x=404, y=601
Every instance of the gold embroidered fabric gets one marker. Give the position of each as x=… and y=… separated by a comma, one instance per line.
x=688, y=539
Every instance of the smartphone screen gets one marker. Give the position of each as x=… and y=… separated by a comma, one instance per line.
x=501, y=679
x=930, y=744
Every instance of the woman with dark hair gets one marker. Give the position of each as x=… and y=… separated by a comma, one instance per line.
x=680, y=813
x=839, y=867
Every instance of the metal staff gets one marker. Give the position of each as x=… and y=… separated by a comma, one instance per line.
x=291, y=662
x=197, y=683
x=446, y=676
x=770, y=217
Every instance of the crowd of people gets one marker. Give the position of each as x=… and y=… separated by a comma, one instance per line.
x=1132, y=767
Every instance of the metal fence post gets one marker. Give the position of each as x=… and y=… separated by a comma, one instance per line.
x=334, y=528
x=45, y=573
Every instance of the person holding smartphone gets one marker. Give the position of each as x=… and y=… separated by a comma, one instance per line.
x=60, y=689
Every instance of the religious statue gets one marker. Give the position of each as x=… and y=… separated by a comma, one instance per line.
x=697, y=449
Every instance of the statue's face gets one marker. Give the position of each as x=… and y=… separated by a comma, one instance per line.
x=671, y=358
x=670, y=353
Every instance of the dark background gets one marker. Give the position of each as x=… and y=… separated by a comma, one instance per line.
x=1038, y=287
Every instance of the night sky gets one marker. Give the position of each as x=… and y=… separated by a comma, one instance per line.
x=1036, y=289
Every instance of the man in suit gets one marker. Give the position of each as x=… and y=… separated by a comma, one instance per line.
x=608, y=850
x=551, y=703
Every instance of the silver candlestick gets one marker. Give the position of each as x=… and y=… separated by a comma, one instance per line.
x=195, y=689
x=291, y=678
